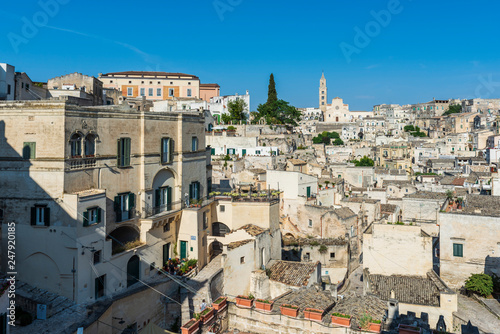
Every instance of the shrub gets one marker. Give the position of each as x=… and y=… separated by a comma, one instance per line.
x=231, y=128
x=314, y=243
x=340, y=315
x=323, y=249
x=480, y=283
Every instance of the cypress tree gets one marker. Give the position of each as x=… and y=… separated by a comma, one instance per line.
x=272, y=96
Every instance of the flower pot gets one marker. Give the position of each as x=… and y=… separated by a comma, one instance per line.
x=263, y=306
x=207, y=314
x=191, y=326
x=222, y=301
x=291, y=312
x=313, y=314
x=375, y=328
x=345, y=322
x=407, y=329
x=243, y=301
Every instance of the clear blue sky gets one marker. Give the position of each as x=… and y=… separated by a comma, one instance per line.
x=425, y=49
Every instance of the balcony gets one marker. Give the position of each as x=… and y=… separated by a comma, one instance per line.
x=81, y=163
x=152, y=211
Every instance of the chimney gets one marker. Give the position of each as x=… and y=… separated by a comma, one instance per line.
x=392, y=310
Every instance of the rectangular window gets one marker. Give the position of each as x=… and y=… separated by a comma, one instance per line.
x=99, y=286
x=130, y=91
x=29, y=150
x=242, y=259
x=150, y=91
x=332, y=255
x=92, y=216
x=166, y=227
x=170, y=92
x=123, y=154
x=222, y=208
x=310, y=223
x=194, y=191
x=205, y=220
x=257, y=152
x=97, y=257
x=194, y=144
x=307, y=256
x=167, y=150
x=40, y=215
x=189, y=92
x=8, y=89
x=143, y=91
x=458, y=250
x=163, y=199
x=123, y=205
x=158, y=91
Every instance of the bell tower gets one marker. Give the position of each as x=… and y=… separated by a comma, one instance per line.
x=323, y=93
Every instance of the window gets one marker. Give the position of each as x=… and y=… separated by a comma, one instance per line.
x=99, y=286
x=130, y=82
x=189, y=83
x=29, y=150
x=194, y=144
x=159, y=82
x=194, y=190
x=110, y=81
x=123, y=154
x=170, y=92
x=143, y=91
x=458, y=250
x=151, y=82
x=205, y=220
x=163, y=198
x=27, y=86
x=97, y=257
x=257, y=152
x=166, y=227
x=307, y=256
x=40, y=215
x=130, y=91
x=332, y=255
x=92, y=216
x=310, y=223
x=8, y=89
x=222, y=208
x=142, y=82
x=242, y=259
x=150, y=91
x=158, y=91
x=1, y=216
x=189, y=92
x=167, y=150
x=123, y=205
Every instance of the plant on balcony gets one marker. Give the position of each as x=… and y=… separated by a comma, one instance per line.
x=341, y=319
x=264, y=305
x=244, y=301
x=313, y=314
x=289, y=310
x=219, y=303
x=207, y=314
x=191, y=326
x=323, y=249
x=368, y=323
x=262, y=194
x=127, y=246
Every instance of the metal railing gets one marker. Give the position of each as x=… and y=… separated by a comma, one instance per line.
x=151, y=210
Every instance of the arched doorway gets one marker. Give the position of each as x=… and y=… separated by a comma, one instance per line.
x=163, y=183
x=122, y=236
x=214, y=249
x=220, y=229
x=133, y=270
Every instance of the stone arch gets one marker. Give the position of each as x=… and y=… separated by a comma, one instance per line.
x=90, y=144
x=215, y=248
x=164, y=177
x=75, y=144
x=220, y=229
x=122, y=235
x=133, y=270
x=39, y=269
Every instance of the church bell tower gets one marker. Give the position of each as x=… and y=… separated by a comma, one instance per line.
x=323, y=93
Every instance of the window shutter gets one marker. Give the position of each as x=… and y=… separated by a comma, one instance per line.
x=33, y=216
x=169, y=198
x=131, y=201
x=191, y=186
x=171, y=150
x=118, y=209
x=99, y=215
x=46, y=217
x=127, y=152
x=32, y=150
x=86, y=218
x=118, y=153
x=157, y=197
x=162, y=149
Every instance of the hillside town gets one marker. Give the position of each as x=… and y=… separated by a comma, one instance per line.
x=148, y=202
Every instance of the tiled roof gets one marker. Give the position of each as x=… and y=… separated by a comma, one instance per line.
x=236, y=244
x=304, y=298
x=427, y=195
x=209, y=85
x=151, y=73
x=458, y=181
x=484, y=205
x=387, y=208
x=297, y=162
x=292, y=273
x=385, y=183
x=253, y=230
x=344, y=213
x=407, y=289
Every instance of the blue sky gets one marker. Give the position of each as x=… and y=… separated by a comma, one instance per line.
x=420, y=50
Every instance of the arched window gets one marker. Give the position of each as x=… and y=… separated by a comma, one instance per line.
x=76, y=145
x=90, y=145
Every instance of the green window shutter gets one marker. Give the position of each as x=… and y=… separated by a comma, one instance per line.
x=117, y=207
x=33, y=216
x=212, y=151
x=32, y=150
x=86, y=218
x=46, y=217
x=131, y=201
x=157, y=197
x=169, y=198
x=191, y=186
x=171, y=150
x=162, y=149
x=119, y=153
x=99, y=215
x=126, y=152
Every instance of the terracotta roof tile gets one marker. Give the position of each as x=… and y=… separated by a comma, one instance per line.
x=292, y=273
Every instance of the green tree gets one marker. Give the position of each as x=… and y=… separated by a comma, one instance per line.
x=272, y=95
x=364, y=162
x=326, y=137
x=480, y=283
x=453, y=109
x=236, y=110
x=408, y=128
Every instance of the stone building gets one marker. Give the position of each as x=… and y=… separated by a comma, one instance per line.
x=77, y=82
x=97, y=193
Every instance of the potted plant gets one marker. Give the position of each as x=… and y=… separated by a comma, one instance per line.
x=207, y=314
x=219, y=303
x=313, y=314
x=341, y=319
x=191, y=326
x=369, y=324
x=407, y=329
x=289, y=310
x=264, y=305
x=244, y=301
